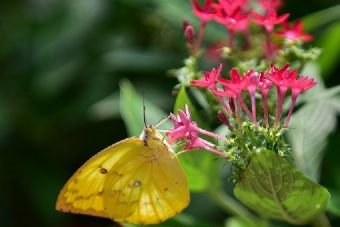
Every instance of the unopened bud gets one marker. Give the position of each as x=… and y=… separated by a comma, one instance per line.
x=189, y=32
x=232, y=104
x=223, y=118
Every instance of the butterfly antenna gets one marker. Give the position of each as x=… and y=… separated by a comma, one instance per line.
x=161, y=121
x=144, y=109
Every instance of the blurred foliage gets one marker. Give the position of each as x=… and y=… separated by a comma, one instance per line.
x=62, y=63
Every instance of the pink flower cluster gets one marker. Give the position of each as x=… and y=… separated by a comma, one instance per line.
x=187, y=130
x=237, y=15
x=283, y=79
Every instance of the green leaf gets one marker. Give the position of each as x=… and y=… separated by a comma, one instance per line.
x=329, y=58
x=273, y=187
x=312, y=124
x=320, y=18
x=131, y=109
x=182, y=100
x=334, y=203
x=103, y=109
x=202, y=169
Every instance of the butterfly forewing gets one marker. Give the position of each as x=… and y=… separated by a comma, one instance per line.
x=83, y=192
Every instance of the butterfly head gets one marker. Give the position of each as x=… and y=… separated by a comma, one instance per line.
x=151, y=136
x=148, y=133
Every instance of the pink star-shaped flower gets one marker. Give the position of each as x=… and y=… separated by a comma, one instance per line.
x=209, y=81
x=284, y=79
x=210, y=78
x=294, y=32
x=235, y=20
x=206, y=12
x=237, y=84
x=270, y=4
x=269, y=20
x=187, y=130
x=265, y=85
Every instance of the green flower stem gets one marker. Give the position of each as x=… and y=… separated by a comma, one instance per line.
x=231, y=206
x=321, y=221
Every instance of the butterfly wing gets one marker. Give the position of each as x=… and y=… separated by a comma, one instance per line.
x=83, y=193
x=135, y=181
x=147, y=186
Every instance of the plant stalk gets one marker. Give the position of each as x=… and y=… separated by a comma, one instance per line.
x=321, y=221
x=231, y=206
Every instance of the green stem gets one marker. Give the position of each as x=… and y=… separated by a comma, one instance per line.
x=231, y=206
x=321, y=221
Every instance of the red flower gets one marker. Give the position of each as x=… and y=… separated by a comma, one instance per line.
x=268, y=5
x=265, y=85
x=234, y=85
x=206, y=12
x=298, y=85
x=270, y=19
x=282, y=78
x=285, y=79
x=294, y=32
x=237, y=84
x=209, y=80
x=230, y=6
x=233, y=20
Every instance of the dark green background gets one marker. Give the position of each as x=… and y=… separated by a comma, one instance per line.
x=58, y=58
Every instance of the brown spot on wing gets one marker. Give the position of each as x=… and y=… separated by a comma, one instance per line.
x=103, y=171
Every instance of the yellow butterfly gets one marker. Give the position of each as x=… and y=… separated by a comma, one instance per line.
x=136, y=180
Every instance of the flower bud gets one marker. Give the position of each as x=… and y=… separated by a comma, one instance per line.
x=223, y=118
x=189, y=32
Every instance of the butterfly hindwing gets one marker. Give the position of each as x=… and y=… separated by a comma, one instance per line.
x=149, y=188
x=124, y=182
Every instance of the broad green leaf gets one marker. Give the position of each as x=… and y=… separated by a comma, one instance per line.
x=312, y=124
x=334, y=203
x=330, y=53
x=308, y=134
x=182, y=100
x=131, y=109
x=199, y=165
x=274, y=188
x=320, y=18
x=104, y=108
x=335, y=102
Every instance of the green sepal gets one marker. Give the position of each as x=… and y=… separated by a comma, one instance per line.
x=274, y=188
